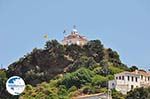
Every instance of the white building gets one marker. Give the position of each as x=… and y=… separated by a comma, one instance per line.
x=74, y=38
x=126, y=81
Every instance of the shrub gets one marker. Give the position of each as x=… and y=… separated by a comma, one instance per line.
x=100, y=81
x=78, y=78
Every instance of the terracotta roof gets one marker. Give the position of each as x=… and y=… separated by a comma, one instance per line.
x=126, y=72
x=72, y=36
x=136, y=72
x=141, y=72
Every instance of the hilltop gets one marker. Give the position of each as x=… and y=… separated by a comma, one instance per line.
x=44, y=64
x=66, y=70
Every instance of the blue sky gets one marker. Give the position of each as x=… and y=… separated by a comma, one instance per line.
x=123, y=25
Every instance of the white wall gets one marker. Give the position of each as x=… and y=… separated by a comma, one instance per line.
x=124, y=85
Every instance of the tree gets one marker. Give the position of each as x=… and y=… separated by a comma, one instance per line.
x=117, y=95
x=133, y=68
x=3, y=79
x=74, y=51
x=77, y=78
x=3, y=92
x=139, y=93
x=83, y=61
x=55, y=47
x=94, y=48
x=104, y=71
x=99, y=81
x=113, y=54
x=51, y=44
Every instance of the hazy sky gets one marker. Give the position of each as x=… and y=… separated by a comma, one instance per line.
x=123, y=25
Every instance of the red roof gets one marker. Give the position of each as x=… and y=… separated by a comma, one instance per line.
x=75, y=35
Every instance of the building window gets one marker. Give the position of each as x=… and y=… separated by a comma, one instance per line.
x=116, y=77
x=132, y=78
x=119, y=77
x=128, y=78
x=132, y=87
x=148, y=78
x=122, y=77
x=136, y=79
x=141, y=77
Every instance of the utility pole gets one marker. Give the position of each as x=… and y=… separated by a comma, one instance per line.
x=109, y=90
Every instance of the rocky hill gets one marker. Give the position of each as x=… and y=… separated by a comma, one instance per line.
x=56, y=62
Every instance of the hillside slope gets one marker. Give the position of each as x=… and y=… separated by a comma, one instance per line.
x=83, y=69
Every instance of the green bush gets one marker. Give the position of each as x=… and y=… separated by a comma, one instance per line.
x=88, y=90
x=77, y=78
x=72, y=89
x=110, y=77
x=100, y=81
x=117, y=95
x=139, y=93
x=114, y=70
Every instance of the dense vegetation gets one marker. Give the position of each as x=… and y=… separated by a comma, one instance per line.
x=139, y=93
x=64, y=71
